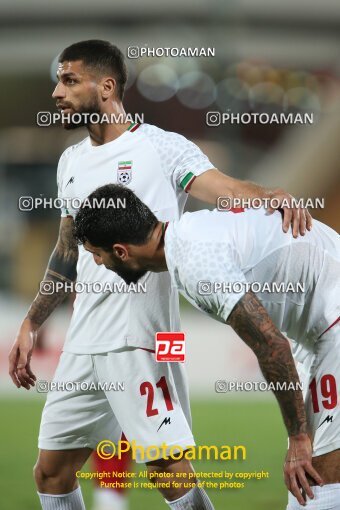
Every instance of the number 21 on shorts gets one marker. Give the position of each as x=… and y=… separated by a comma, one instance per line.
x=146, y=388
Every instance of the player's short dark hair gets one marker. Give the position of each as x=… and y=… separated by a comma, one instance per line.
x=102, y=56
x=113, y=214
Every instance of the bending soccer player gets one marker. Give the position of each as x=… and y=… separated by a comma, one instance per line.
x=223, y=247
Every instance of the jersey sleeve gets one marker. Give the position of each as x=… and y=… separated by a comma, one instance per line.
x=65, y=202
x=61, y=164
x=60, y=181
x=188, y=163
x=210, y=275
x=181, y=159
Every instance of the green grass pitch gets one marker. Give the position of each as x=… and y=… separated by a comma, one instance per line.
x=256, y=424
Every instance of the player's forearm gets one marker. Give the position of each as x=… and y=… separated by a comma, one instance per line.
x=277, y=366
x=61, y=270
x=247, y=189
x=252, y=323
x=213, y=184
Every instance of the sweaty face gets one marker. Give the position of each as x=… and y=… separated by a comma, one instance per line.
x=76, y=93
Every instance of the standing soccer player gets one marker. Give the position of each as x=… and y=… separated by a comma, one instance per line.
x=113, y=333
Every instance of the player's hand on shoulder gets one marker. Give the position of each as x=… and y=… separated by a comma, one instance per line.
x=20, y=356
x=297, y=465
x=298, y=218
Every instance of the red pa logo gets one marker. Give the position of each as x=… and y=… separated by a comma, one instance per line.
x=170, y=346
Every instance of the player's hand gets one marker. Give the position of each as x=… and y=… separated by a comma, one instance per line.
x=20, y=357
x=298, y=463
x=298, y=217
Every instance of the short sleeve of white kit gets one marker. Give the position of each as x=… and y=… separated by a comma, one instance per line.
x=181, y=159
x=65, y=209
x=205, y=271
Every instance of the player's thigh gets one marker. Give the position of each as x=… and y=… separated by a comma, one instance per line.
x=149, y=409
x=328, y=466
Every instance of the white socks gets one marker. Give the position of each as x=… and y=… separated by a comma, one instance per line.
x=195, y=499
x=109, y=499
x=71, y=501
x=325, y=498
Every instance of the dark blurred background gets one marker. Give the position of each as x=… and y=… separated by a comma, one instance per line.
x=269, y=57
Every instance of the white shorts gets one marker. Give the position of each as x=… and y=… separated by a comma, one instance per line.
x=320, y=376
x=325, y=498
x=153, y=408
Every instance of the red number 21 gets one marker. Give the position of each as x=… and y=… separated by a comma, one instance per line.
x=146, y=388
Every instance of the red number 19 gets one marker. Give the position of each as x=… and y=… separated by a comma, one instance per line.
x=328, y=392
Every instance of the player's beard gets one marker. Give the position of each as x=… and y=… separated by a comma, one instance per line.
x=130, y=275
x=127, y=274
x=92, y=106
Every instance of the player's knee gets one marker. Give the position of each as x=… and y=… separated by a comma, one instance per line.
x=40, y=476
x=51, y=480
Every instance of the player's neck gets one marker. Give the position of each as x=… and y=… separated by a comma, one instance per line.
x=154, y=256
x=105, y=132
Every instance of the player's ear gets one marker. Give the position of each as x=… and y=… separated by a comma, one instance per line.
x=121, y=252
x=108, y=87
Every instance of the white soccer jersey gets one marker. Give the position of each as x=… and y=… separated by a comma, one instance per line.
x=216, y=247
x=159, y=167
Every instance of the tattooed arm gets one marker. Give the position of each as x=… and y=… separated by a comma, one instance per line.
x=61, y=268
x=251, y=322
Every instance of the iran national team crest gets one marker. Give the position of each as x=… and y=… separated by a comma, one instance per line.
x=124, y=174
